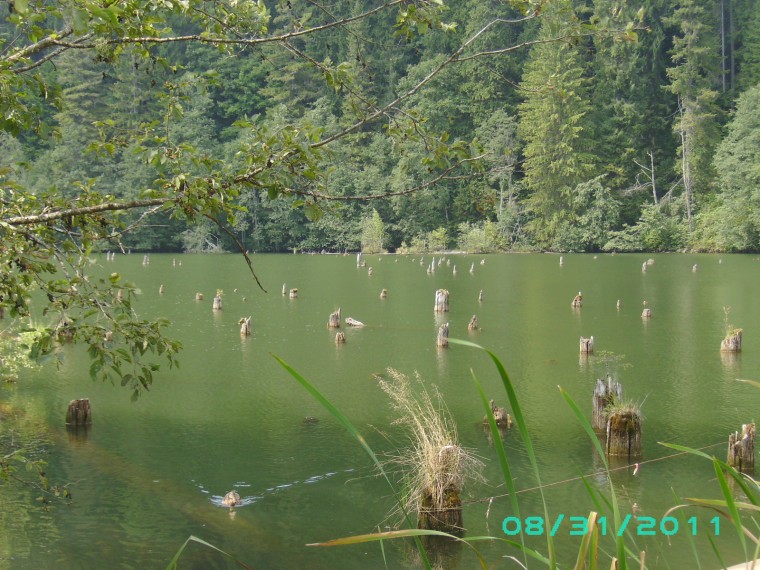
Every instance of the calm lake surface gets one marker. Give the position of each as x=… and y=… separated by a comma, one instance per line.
x=151, y=473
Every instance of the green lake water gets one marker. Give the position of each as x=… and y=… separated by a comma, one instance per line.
x=151, y=473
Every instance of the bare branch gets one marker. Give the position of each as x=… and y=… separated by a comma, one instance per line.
x=84, y=210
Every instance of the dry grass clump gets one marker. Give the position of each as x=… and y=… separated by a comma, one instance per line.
x=435, y=465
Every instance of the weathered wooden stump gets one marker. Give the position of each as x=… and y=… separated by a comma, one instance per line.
x=161, y=289
x=284, y=290
x=217, y=304
x=441, y=301
x=587, y=345
x=646, y=313
x=473, y=324
x=454, y=270
x=444, y=517
x=480, y=296
x=500, y=416
x=384, y=294
x=561, y=261
x=650, y=261
x=120, y=295
x=359, y=259
x=607, y=393
x=694, y=268
x=442, y=340
x=351, y=322
x=245, y=326
x=146, y=260
x=293, y=293
x=644, y=267
x=472, y=268
x=741, y=449
x=618, y=305
x=369, y=271
x=577, y=301
x=340, y=337
x=79, y=413
x=732, y=342
x=199, y=296
x=333, y=322
x=624, y=431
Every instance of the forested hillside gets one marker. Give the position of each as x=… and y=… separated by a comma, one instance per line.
x=482, y=125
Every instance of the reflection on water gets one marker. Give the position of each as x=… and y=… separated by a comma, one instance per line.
x=149, y=474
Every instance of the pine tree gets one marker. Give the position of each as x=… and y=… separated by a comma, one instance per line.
x=554, y=121
x=693, y=78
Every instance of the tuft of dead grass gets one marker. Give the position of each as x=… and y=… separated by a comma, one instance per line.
x=434, y=463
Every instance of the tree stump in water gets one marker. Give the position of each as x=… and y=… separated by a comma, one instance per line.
x=445, y=516
x=473, y=324
x=624, y=432
x=199, y=296
x=500, y=416
x=351, y=322
x=245, y=326
x=359, y=259
x=587, y=345
x=646, y=313
x=79, y=413
x=333, y=322
x=284, y=290
x=644, y=267
x=217, y=305
x=441, y=301
x=618, y=305
x=607, y=393
x=294, y=293
x=161, y=289
x=577, y=301
x=442, y=340
x=480, y=296
x=561, y=261
x=340, y=337
x=694, y=268
x=384, y=294
x=741, y=449
x=732, y=342
x=369, y=271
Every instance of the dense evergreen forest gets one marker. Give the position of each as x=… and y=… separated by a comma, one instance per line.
x=563, y=125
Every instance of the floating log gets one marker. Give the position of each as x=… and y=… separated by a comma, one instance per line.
x=231, y=499
x=384, y=294
x=473, y=324
x=741, y=449
x=340, y=337
x=587, y=345
x=79, y=413
x=293, y=293
x=646, y=313
x=500, y=415
x=199, y=296
x=624, y=431
x=353, y=322
x=480, y=296
x=245, y=326
x=441, y=301
x=732, y=342
x=577, y=301
x=334, y=321
x=442, y=340
x=607, y=393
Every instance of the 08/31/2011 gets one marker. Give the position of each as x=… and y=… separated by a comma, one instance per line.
x=579, y=526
